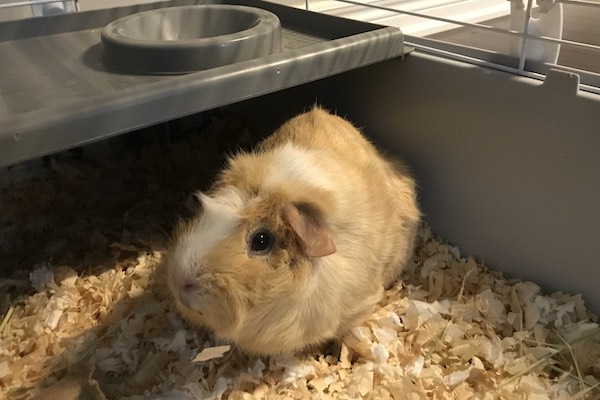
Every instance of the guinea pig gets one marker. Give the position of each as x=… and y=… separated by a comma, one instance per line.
x=295, y=242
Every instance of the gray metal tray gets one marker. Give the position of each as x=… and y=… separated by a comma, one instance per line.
x=55, y=92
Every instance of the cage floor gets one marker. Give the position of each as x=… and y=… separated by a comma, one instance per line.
x=85, y=313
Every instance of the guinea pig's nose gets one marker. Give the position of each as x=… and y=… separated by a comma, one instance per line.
x=188, y=285
x=184, y=283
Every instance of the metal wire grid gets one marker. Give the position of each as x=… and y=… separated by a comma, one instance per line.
x=37, y=2
x=590, y=81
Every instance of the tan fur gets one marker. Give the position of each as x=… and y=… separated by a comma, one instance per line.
x=288, y=301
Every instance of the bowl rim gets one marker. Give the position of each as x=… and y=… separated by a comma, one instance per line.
x=266, y=23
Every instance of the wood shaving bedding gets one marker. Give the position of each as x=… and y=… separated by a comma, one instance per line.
x=86, y=314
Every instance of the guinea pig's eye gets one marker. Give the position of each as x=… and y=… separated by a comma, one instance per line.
x=261, y=242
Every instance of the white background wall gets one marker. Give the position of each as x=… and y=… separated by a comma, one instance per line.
x=26, y=12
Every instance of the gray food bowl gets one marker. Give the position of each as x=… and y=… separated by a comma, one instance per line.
x=184, y=39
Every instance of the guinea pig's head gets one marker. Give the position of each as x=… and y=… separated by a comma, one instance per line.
x=244, y=252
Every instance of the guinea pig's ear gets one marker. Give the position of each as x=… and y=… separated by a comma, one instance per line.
x=200, y=197
x=206, y=201
x=310, y=227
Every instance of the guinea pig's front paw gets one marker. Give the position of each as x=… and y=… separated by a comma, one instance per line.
x=330, y=349
x=237, y=358
x=333, y=348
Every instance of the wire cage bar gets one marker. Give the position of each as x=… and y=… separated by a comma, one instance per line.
x=590, y=80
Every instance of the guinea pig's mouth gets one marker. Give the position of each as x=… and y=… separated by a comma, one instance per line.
x=211, y=310
x=193, y=301
x=188, y=292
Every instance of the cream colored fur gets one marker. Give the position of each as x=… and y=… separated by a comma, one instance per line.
x=287, y=301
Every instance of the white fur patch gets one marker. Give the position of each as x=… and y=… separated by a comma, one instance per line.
x=218, y=221
x=294, y=164
x=228, y=197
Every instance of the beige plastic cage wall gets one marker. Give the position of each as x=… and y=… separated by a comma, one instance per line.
x=508, y=168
